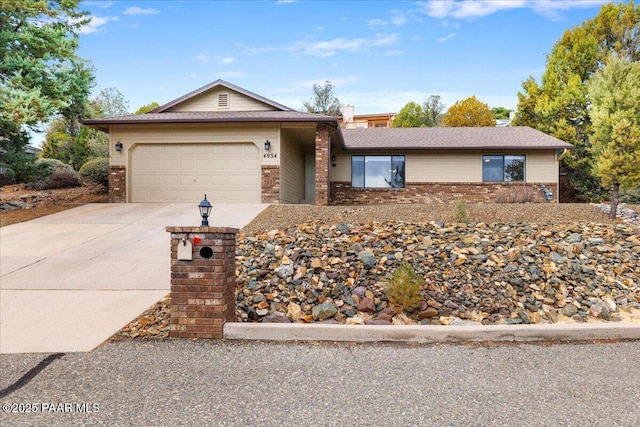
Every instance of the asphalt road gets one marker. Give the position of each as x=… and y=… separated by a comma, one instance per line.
x=243, y=383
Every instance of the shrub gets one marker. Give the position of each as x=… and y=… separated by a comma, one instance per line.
x=461, y=211
x=631, y=196
x=52, y=173
x=405, y=288
x=517, y=194
x=96, y=171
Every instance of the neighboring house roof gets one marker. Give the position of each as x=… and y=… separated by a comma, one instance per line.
x=220, y=83
x=30, y=149
x=451, y=138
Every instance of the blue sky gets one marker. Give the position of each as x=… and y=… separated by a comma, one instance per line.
x=379, y=54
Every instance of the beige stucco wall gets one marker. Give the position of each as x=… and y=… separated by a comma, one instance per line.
x=208, y=101
x=291, y=170
x=455, y=166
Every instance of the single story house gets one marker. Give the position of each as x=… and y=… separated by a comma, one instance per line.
x=239, y=147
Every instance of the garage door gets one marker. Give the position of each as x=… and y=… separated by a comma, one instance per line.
x=228, y=173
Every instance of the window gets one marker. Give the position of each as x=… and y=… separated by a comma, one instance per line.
x=377, y=171
x=503, y=168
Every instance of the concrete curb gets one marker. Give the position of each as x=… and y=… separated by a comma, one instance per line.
x=432, y=334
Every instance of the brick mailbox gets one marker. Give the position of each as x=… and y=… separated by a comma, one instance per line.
x=203, y=281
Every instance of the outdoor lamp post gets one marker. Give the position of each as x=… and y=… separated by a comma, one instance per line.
x=205, y=210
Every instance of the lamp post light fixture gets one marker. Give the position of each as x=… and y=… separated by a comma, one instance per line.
x=118, y=146
x=267, y=145
x=205, y=210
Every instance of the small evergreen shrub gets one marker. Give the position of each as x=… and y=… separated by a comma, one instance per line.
x=405, y=288
x=461, y=211
x=631, y=196
x=517, y=194
x=96, y=171
x=51, y=174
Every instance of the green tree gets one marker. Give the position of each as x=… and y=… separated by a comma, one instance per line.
x=469, y=112
x=433, y=109
x=409, y=116
x=501, y=113
x=324, y=101
x=40, y=74
x=70, y=142
x=559, y=105
x=17, y=164
x=614, y=92
x=110, y=102
x=147, y=108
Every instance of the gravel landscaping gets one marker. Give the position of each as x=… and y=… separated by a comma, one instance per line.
x=282, y=216
x=511, y=264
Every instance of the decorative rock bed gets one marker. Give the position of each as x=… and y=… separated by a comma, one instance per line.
x=488, y=273
x=474, y=273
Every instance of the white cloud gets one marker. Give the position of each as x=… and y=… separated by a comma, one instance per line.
x=378, y=23
x=193, y=75
x=447, y=37
x=469, y=9
x=227, y=60
x=284, y=1
x=326, y=48
x=331, y=47
x=203, y=57
x=95, y=22
x=135, y=10
x=98, y=3
x=438, y=8
x=551, y=9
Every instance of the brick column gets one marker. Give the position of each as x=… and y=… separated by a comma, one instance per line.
x=270, y=184
x=323, y=152
x=203, y=288
x=117, y=184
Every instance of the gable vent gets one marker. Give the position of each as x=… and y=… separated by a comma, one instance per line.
x=223, y=100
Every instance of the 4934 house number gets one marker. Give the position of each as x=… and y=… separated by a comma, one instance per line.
x=270, y=156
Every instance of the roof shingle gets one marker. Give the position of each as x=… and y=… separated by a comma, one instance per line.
x=438, y=138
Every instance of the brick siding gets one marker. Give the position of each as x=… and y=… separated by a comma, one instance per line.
x=416, y=192
x=322, y=165
x=202, y=290
x=270, y=184
x=117, y=184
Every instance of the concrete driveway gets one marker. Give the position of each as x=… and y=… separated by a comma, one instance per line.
x=69, y=281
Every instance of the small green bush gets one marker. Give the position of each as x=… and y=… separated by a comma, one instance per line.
x=631, y=196
x=96, y=171
x=52, y=173
x=405, y=288
x=461, y=211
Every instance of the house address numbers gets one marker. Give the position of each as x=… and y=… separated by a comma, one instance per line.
x=270, y=156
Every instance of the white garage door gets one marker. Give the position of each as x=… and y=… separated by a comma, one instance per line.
x=228, y=173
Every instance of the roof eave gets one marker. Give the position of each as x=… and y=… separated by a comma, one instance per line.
x=225, y=84
x=493, y=147
x=104, y=125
